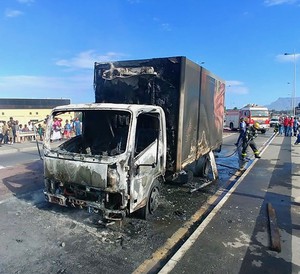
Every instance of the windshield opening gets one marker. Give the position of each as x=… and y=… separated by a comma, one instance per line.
x=90, y=132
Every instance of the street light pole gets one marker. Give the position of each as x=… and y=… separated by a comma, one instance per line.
x=294, y=83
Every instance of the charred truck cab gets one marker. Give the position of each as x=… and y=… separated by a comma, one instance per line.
x=152, y=120
x=112, y=165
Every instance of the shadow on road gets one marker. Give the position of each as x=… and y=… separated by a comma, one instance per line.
x=22, y=179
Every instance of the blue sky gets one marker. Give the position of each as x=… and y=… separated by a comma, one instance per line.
x=48, y=47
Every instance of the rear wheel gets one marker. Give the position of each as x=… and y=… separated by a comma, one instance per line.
x=203, y=167
x=231, y=126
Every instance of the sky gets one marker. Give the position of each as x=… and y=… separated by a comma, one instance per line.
x=48, y=47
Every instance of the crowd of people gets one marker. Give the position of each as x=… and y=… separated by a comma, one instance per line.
x=288, y=126
x=65, y=130
x=13, y=132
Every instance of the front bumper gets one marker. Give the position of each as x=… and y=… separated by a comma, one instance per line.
x=109, y=214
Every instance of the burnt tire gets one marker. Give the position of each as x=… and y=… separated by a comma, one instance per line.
x=152, y=202
x=203, y=167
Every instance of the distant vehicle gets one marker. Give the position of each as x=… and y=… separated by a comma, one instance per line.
x=274, y=121
x=232, y=119
x=251, y=112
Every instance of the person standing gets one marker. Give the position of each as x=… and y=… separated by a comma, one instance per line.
x=242, y=129
x=11, y=134
x=295, y=126
x=17, y=130
x=1, y=133
x=67, y=130
x=290, y=126
x=281, y=127
x=40, y=132
x=56, y=129
x=13, y=130
x=285, y=125
x=248, y=140
x=77, y=126
x=30, y=127
x=5, y=130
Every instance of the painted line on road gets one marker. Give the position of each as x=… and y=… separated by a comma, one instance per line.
x=162, y=252
x=295, y=195
x=187, y=245
x=191, y=240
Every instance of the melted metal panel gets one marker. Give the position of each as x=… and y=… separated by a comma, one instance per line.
x=78, y=172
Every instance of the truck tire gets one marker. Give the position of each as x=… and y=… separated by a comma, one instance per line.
x=263, y=131
x=231, y=126
x=152, y=202
x=203, y=167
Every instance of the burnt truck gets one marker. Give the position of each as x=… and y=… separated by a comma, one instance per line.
x=153, y=120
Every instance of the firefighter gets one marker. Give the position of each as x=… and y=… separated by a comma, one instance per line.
x=248, y=140
x=242, y=129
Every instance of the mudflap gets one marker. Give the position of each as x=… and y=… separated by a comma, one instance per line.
x=213, y=165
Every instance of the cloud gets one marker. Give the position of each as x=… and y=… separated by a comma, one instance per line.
x=289, y=57
x=166, y=27
x=12, y=13
x=48, y=87
x=279, y=2
x=163, y=26
x=236, y=87
x=86, y=59
x=25, y=1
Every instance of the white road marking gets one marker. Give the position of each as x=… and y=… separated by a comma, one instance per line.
x=191, y=240
x=296, y=198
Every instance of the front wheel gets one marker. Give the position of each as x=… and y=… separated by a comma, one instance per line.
x=152, y=202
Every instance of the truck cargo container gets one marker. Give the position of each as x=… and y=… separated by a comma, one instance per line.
x=153, y=120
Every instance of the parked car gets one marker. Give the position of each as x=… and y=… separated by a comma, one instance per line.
x=274, y=121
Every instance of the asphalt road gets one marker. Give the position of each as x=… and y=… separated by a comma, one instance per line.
x=38, y=237
x=22, y=157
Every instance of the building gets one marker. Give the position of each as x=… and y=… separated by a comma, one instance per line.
x=25, y=110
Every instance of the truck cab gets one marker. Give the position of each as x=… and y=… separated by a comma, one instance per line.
x=114, y=165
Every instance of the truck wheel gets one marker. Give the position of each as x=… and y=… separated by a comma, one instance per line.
x=231, y=126
x=263, y=131
x=203, y=167
x=152, y=202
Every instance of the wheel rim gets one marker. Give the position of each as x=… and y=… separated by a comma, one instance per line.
x=153, y=200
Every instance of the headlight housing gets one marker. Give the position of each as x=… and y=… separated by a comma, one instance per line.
x=113, y=178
